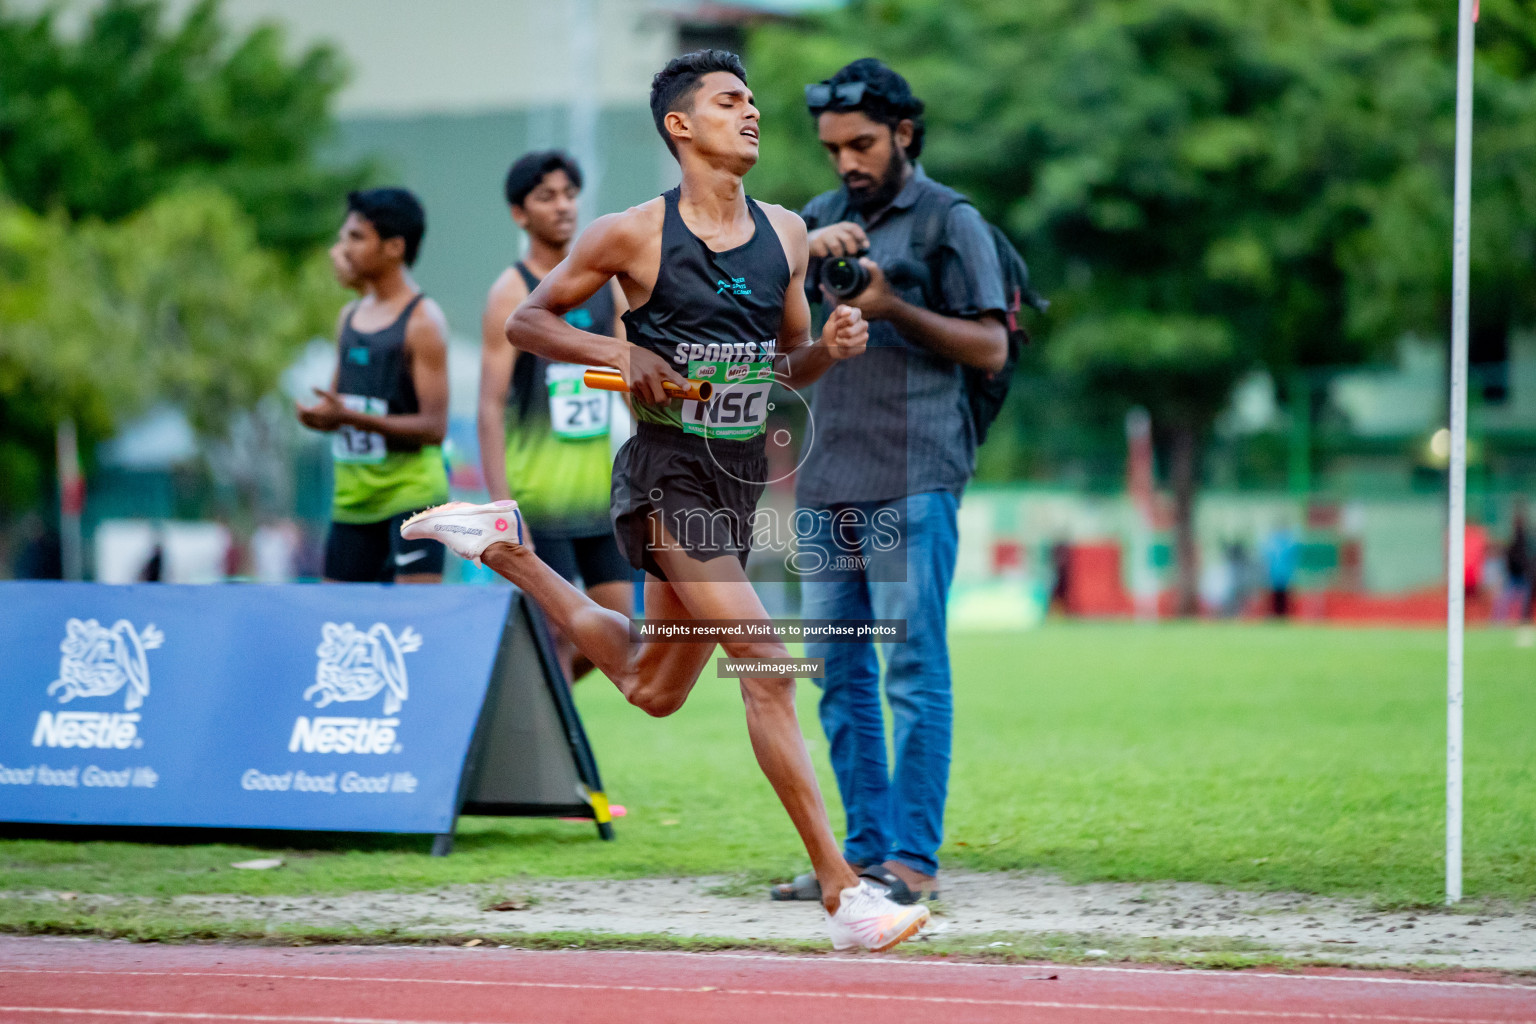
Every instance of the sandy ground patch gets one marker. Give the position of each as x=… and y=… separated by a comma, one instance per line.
x=981, y=905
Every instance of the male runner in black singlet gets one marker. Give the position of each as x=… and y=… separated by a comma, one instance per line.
x=544, y=433
x=715, y=284
x=387, y=406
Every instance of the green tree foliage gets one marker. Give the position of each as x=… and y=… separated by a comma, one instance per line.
x=98, y=124
x=1202, y=187
x=161, y=212
x=174, y=304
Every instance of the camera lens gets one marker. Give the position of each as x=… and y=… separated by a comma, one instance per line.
x=844, y=276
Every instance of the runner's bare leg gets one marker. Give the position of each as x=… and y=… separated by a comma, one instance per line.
x=615, y=596
x=654, y=677
x=772, y=722
x=719, y=589
x=659, y=676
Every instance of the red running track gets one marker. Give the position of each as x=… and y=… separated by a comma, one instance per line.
x=70, y=981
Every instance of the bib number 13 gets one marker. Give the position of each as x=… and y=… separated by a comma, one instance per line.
x=576, y=412
x=348, y=444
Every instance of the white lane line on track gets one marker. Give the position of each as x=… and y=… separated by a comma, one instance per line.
x=1233, y=975
x=877, y=961
x=873, y=961
x=858, y=960
x=67, y=1011
x=1028, y=1004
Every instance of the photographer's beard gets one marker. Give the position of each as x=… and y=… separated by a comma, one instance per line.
x=872, y=197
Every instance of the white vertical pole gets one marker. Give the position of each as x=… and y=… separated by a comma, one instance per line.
x=71, y=500
x=1455, y=592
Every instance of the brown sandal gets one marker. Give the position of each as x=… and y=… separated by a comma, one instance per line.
x=898, y=890
x=802, y=887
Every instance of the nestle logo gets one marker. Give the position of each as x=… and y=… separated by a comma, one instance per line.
x=335, y=735
x=100, y=730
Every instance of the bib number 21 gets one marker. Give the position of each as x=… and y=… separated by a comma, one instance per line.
x=575, y=410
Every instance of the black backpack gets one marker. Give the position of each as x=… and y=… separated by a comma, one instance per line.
x=985, y=392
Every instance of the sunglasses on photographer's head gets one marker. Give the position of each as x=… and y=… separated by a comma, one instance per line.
x=821, y=96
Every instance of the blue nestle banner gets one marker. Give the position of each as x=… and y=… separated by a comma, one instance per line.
x=297, y=707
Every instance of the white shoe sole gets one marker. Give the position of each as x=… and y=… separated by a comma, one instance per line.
x=917, y=925
x=458, y=508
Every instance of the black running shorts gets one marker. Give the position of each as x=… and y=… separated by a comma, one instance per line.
x=705, y=491
x=376, y=553
x=587, y=561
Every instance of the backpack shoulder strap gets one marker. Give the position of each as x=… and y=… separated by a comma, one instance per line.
x=931, y=212
x=930, y=217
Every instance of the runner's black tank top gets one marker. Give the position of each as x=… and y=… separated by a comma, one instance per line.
x=718, y=306
x=373, y=364
x=530, y=372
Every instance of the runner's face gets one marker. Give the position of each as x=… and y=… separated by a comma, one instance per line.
x=869, y=156
x=363, y=251
x=723, y=121
x=549, y=211
x=345, y=275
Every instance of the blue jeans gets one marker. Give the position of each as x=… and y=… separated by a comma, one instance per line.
x=886, y=573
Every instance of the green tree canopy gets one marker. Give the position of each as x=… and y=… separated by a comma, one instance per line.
x=98, y=124
x=174, y=304
x=1202, y=187
x=161, y=211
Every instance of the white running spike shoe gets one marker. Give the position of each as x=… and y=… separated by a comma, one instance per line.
x=467, y=529
x=867, y=918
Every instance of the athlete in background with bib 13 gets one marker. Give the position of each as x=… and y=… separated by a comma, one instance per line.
x=551, y=427
x=387, y=407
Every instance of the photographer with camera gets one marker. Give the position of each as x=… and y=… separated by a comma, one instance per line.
x=894, y=446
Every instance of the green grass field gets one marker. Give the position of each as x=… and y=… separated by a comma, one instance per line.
x=1275, y=757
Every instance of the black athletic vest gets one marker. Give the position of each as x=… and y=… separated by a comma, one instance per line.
x=717, y=306
x=529, y=372
x=373, y=365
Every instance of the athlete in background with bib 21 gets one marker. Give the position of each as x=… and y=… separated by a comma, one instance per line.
x=387, y=406
x=543, y=432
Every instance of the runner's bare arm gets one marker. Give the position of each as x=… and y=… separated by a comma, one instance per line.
x=426, y=353
x=308, y=415
x=497, y=358
x=611, y=246
x=620, y=307
x=800, y=361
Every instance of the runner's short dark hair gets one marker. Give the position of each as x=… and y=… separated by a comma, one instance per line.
x=887, y=98
x=394, y=213
x=673, y=86
x=531, y=168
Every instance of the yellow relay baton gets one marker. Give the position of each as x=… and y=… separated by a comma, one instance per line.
x=610, y=380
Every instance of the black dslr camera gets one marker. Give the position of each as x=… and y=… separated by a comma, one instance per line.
x=845, y=276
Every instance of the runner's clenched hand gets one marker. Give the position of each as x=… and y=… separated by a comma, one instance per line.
x=845, y=333
x=644, y=371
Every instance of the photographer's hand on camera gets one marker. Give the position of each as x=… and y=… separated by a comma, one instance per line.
x=876, y=300
x=845, y=334
x=644, y=371
x=844, y=238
